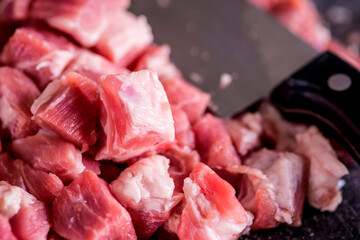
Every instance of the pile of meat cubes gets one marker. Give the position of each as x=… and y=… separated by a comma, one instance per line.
x=103, y=138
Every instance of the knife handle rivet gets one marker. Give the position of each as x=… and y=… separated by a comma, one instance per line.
x=339, y=82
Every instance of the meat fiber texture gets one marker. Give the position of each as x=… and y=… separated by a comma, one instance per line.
x=69, y=107
x=86, y=210
x=84, y=20
x=28, y=217
x=146, y=190
x=273, y=188
x=41, y=53
x=211, y=209
x=14, y=10
x=135, y=115
x=181, y=94
x=17, y=93
x=50, y=153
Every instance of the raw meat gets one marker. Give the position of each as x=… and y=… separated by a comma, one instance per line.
x=245, y=132
x=44, y=186
x=86, y=210
x=135, y=115
x=273, y=188
x=84, y=20
x=125, y=38
x=214, y=143
x=69, y=107
x=39, y=52
x=5, y=229
x=211, y=210
x=325, y=169
x=92, y=66
x=17, y=93
x=29, y=218
x=91, y=165
x=146, y=190
x=50, y=153
x=14, y=10
x=184, y=136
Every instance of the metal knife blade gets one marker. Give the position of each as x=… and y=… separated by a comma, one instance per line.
x=212, y=37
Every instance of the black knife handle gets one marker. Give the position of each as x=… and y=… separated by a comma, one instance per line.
x=328, y=89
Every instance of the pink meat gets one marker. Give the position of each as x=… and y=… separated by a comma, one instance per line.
x=5, y=229
x=49, y=153
x=84, y=20
x=325, y=169
x=125, y=38
x=245, y=132
x=39, y=52
x=182, y=162
x=29, y=217
x=14, y=10
x=135, y=115
x=184, y=136
x=93, y=66
x=273, y=188
x=211, y=210
x=91, y=165
x=17, y=93
x=86, y=210
x=44, y=186
x=147, y=191
x=214, y=143
x=69, y=107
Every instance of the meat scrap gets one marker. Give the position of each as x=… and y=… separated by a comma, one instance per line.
x=135, y=115
x=14, y=10
x=86, y=210
x=5, y=229
x=211, y=210
x=39, y=52
x=146, y=190
x=29, y=217
x=69, y=107
x=17, y=93
x=184, y=135
x=273, y=187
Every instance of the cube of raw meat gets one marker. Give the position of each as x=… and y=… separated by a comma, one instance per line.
x=86, y=210
x=146, y=190
x=44, y=186
x=125, y=38
x=14, y=10
x=84, y=20
x=5, y=229
x=49, y=153
x=17, y=93
x=245, y=132
x=39, y=52
x=182, y=162
x=135, y=115
x=29, y=217
x=93, y=66
x=273, y=188
x=184, y=136
x=69, y=107
x=325, y=169
x=211, y=209
x=214, y=143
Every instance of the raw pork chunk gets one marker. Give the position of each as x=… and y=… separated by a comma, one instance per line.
x=50, y=153
x=125, y=38
x=17, y=94
x=84, y=20
x=184, y=135
x=147, y=191
x=325, y=169
x=44, y=186
x=14, y=10
x=211, y=210
x=214, y=143
x=181, y=94
x=245, y=132
x=93, y=66
x=29, y=218
x=69, y=107
x=39, y=52
x=135, y=115
x=273, y=188
x=91, y=165
x=86, y=210
x=5, y=229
